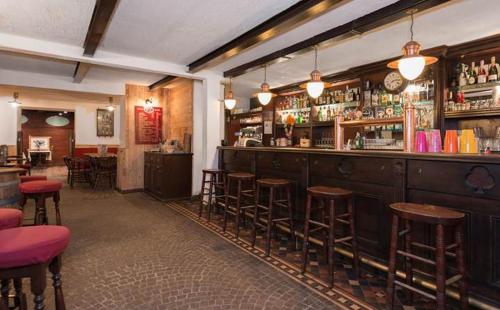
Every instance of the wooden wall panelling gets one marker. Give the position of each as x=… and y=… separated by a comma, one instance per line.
x=179, y=114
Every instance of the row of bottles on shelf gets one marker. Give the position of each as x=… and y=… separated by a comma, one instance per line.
x=293, y=102
x=459, y=103
x=251, y=119
x=338, y=96
x=471, y=75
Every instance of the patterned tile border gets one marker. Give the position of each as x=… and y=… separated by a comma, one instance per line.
x=339, y=297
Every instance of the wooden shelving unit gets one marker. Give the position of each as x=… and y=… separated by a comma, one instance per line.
x=472, y=113
x=372, y=122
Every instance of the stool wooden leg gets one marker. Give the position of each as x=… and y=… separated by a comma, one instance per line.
x=22, y=202
x=38, y=284
x=331, y=243
x=440, y=268
x=408, y=261
x=354, y=242
x=202, y=194
x=269, y=221
x=324, y=233
x=459, y=239
x=210, y=195
x=290, y=215
x=255, y=215
x=305, y=245
x=238, y=209
x=57, y=198
x=5, y=294
x=226, y=204
x=39, y=210
x=392, y=262
x=55, y=269
x=20, y=296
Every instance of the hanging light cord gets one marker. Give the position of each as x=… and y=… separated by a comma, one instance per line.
x=315, y=57
x=265, y=73
x=411, y=26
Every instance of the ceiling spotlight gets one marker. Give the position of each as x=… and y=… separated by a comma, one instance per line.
x=229, y=100
x=412, y=63
x=15, y=102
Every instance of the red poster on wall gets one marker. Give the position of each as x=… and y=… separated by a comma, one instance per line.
x=148, y=125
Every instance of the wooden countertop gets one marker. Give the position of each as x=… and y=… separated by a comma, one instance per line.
x=478, y=158
x=165, y=153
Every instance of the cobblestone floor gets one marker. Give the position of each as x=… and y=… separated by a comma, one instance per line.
x=132, y=252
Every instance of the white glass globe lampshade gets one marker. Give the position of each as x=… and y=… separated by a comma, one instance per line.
x=411, y=67
x=230, y=103
x=315, y=88
x=264, y=97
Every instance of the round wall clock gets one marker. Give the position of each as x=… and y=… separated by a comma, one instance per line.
x=394, y=82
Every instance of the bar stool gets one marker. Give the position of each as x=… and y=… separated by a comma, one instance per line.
x=275, y=186
x=441, y=218
x=216, y=184
x=26, y=252
x=10, y=218
x=39, y=191
x=331, y=195
x=243, y=180
x=31, y=178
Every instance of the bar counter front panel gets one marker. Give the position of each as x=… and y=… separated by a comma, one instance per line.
x=467, y=183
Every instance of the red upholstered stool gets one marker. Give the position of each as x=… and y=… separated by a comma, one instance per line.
x=26, y=252
x=39, y=191
x=31, y=178
x=10, y=218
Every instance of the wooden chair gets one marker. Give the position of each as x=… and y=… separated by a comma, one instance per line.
x=103, y=167
x=78, y=170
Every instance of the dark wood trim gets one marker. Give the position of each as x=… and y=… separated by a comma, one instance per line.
x=295, y=15
x=376, y=19
x=81, y=70
x=130, y=191
x=100, y=19
x=163, y=82
x=479, y=45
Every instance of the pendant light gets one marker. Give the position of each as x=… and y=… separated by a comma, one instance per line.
x=229, y=100
x=264, y=95
x=110, y=107
x=14, y=102
x=315, y=86
x=412, y=63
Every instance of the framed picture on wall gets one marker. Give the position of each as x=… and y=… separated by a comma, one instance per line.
x=105, y=123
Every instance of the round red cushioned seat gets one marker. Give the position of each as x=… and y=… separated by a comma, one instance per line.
x=10, y=218
x=31, y=178
x=23, y=246
x=40, y=187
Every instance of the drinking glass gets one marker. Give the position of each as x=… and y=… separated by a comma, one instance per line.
x=420, y=142
x=468, y=142
x=435, y=141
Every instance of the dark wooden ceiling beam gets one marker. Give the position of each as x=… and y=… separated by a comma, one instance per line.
x=80, y=72
x=100, y=19
x=293, y=16
x=368, y=22
x=163, y=82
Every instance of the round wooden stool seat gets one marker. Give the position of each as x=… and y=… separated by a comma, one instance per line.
x=273, y=182
x=427, y=213
x=10, y=218
x=241, y=175
x=31, y=178
x=214, y=171
x=329, y=192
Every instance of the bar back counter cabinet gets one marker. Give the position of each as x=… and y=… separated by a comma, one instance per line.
x=168, y=176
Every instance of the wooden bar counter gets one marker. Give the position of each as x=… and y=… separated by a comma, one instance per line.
x=467, y=183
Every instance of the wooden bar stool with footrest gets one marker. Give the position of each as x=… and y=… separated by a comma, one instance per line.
x=244, y=199
x=442, y=219
x=40, y=191
x=274, y=186
x=330, y=195
x=31, y=178
x=27, y=252
x=214, y=191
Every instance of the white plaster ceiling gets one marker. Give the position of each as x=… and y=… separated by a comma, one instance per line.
x=183, y=31
x=62, y=21
x=457, y=22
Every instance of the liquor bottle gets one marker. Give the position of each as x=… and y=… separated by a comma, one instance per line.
x=481, y=76
x=462, y=80
x=430, y=90
x=493, y=71
x=375, y=96
x=472, y=74
x=383, y=97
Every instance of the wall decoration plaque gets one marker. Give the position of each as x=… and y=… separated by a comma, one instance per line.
x=105, y=123
x=148, y=125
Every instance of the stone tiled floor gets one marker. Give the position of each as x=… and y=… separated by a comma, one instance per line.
x=132, y=252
